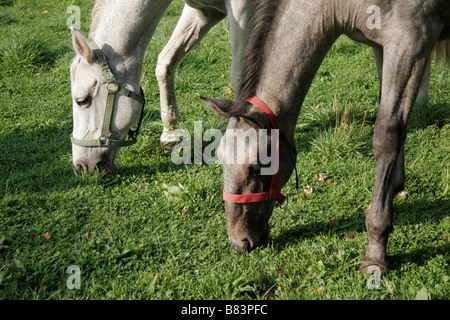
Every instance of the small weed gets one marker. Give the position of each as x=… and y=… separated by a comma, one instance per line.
x=345, y=138
x=426, y=113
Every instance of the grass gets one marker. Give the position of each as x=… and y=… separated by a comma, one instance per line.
x=343, y=138
x=157, y=230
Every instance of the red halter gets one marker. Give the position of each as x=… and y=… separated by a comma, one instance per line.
x=274, y=193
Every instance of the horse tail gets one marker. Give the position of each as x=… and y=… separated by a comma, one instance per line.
x=442, y=51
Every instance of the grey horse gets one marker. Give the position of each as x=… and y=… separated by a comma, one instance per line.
x=287, y=45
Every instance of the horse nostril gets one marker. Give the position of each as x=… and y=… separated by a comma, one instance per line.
x=241, y=246
x=81, y=167
x=246, y=246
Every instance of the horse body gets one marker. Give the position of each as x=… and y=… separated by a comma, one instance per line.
x=197, y=19
x=287, y=46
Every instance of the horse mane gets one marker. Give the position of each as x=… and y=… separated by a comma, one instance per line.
x=263, y=16
x=97, y=12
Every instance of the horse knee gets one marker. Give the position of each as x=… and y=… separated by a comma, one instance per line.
x=388, y=147
x=388, y=140
x=379, y=223
x=162, y=70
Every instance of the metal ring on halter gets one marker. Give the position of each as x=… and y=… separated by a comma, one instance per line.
x=112, y=87
x=284, y=205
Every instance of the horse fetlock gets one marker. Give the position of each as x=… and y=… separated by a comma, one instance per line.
x=379, y=226
x=379, y=218
x=379, y=229
x=170, y=115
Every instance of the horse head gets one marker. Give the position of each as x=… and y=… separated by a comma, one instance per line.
x=104, y=105
x=252, y=179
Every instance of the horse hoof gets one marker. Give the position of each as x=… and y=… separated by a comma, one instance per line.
x=167, y=146
x=373, y=266
x=373, y=269
x=168, y=141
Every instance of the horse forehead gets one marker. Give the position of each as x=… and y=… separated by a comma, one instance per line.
x=84, y=74
x=237, y=143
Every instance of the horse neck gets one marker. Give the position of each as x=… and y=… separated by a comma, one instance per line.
x=293, y=52
x=123, y=31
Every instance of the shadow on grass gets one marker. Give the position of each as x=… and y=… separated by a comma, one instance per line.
x=144, y=170
x=425, y=114
x=37, y=158
x=405, y=214
x=33, y=154
x=419, y=256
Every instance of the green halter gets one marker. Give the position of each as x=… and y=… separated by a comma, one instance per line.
x=113, y=87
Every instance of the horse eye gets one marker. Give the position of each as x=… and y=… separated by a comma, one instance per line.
x=84, y=102
x=254, y=170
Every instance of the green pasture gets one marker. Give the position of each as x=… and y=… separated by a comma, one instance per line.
x=157, y=230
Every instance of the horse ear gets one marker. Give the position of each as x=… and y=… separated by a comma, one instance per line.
x=81, y=45
x=222, y=107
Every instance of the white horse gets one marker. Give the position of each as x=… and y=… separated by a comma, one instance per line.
x=106, y=72
x=120, y=33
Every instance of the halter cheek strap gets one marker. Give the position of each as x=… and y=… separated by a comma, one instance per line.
x=274, y=193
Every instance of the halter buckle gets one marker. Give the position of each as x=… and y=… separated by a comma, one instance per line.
x=112, y=87
x=282, y=206
x=103, y=141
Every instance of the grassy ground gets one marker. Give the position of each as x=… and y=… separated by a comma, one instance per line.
x=133, y=238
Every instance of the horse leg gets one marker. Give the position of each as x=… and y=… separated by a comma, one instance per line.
x=423, y=91
x=190, y=29
x=378, y=55
x=399, y=177
x=403, y=71
x=239, y=15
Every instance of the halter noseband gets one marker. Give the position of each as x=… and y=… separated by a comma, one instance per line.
x=113, y=87
x=274, y=193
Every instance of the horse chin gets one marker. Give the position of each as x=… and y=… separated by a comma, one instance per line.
x=248, y=225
